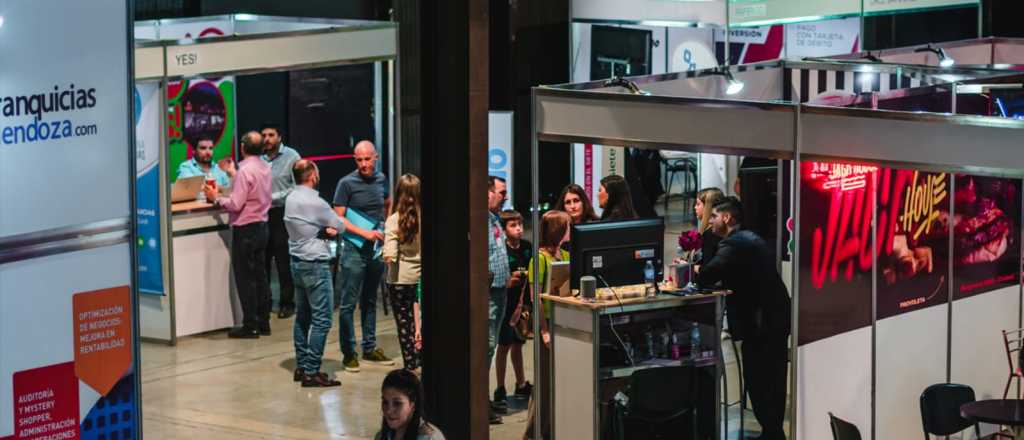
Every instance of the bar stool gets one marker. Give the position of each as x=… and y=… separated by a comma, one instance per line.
x=679, y=162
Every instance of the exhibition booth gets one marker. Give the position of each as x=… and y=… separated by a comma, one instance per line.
x=188, y=77
x=905, y=227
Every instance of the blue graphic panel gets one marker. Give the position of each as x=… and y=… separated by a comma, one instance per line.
x=113, y=417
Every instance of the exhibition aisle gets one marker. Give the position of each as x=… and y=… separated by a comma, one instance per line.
x=209, y=386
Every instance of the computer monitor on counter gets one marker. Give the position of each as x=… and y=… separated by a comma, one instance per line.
x=616, y=251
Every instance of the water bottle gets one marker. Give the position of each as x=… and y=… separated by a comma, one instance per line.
x=201, y=197
x=695, y=342
x=649, y=341
x=651, y=289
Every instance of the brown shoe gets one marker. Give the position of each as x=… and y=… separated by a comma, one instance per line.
x=319, y=380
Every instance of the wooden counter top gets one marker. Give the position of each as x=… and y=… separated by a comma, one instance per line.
x=662, y=300
x=193, y=206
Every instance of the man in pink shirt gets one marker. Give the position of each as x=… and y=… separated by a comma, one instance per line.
x=247, y=208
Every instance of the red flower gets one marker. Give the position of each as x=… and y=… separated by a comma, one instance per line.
x=690, y=240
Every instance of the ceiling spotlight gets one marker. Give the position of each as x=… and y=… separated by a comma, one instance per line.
x=944, y=60
x=868, y=56
x=1, y=21
x=734, y=85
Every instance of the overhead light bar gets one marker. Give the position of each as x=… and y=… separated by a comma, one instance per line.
x=944, y=59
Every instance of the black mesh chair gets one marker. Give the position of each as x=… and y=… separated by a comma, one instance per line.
x=940, y=410
x=843, y=430
x=662, y=404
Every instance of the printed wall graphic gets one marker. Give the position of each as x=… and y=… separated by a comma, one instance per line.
x=836, y=205
x=913, y=259
x=46, y=403
x=986, y=234
x=822, y=38
x=147, y=190
x=66, y=337
x=200, y=108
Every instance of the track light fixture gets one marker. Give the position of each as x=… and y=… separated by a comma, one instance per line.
x=944, y=60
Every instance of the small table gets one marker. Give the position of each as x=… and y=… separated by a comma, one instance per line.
x=997, y=411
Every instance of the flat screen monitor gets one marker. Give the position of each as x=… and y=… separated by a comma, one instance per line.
x=616, y=251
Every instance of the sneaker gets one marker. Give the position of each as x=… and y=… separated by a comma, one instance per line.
x=500, y=395
x=351, y=363
x=495, y=419
x=299, y=375
x=499, y=407
x=524, y=391
x=265, y=331
x=377, y=357
x=319, y=380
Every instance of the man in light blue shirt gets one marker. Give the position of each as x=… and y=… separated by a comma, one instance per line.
x=310, y=223
x=281, y=160
x=202, y=164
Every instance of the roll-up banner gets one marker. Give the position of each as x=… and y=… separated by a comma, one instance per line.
x=499, y=149
x=67, y=344
x=147, y=189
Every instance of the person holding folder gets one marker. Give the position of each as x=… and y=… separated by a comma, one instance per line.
x=361, y=199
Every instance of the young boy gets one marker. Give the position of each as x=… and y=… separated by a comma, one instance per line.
x=519, y=253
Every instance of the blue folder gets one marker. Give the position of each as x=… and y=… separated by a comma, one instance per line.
x=360, y=220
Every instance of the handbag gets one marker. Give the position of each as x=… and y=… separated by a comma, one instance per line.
x=521, y=319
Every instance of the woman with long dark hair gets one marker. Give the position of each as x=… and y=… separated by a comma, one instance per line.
x=615, y=199
x=575, y=202
x=402, y=254
x=401, y=405
x=705, y=201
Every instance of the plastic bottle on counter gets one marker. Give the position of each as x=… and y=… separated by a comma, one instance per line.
x=675, y=348
x=651, y=289
x=649, y=341
x=695, y=342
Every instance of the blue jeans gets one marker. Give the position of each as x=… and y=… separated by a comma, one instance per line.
x=495, y=316
x=314, y=304
x=358, y=280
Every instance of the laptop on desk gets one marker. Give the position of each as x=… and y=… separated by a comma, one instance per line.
x=185, y=189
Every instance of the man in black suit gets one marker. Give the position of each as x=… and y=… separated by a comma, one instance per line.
x=759, y=312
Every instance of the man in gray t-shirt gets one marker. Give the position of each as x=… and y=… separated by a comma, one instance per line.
x=365, y=191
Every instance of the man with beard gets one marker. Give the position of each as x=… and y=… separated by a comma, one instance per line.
x=202, y=164
x=759, y=311
x=311, y=224
x=281, y=159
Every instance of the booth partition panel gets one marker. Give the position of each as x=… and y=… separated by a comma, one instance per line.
x=911, y=295
x=986, y=279
x=835, y=308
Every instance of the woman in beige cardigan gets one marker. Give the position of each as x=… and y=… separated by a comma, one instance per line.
x=402, y=255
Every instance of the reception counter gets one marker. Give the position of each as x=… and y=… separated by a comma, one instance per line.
x=202, y=296
x=590, y=365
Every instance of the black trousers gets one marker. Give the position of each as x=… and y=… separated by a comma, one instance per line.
x=277, y=251
x=403, y=297
x=765, y=359
x=248, y=259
